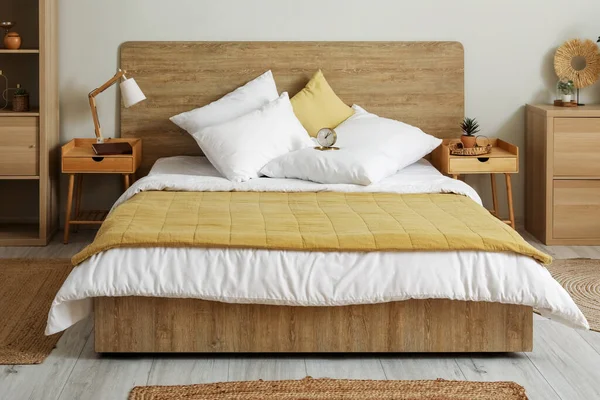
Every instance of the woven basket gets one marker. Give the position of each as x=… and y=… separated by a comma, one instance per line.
x=457, y=149
x=21, y=103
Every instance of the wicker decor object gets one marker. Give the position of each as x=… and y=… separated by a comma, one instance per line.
x=21, y=103
x=457, y=149
x=578, y=48
x=331, y=389
x=26, y=292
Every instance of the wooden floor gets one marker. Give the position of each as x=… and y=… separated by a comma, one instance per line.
x=565, y=363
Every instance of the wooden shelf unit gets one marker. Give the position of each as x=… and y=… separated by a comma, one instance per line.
x=20, y=51
x=29, y=141
x=19, y=234
x=34, y=112
x=19, y=177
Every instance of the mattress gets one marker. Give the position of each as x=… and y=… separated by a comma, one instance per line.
x=303, y=278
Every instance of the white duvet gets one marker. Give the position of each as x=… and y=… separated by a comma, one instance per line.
x=306, y=278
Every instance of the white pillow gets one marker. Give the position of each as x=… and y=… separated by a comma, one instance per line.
x=240, y=148
x=371, y=149
x=242, y=100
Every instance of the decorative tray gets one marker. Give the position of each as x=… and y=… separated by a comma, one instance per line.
x=457, y=149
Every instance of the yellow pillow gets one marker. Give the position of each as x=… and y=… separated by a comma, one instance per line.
x=317, y=106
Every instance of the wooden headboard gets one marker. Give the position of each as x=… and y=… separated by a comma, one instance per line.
x=421, y=83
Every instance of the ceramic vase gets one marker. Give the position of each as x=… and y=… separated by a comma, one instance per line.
x=12, y=41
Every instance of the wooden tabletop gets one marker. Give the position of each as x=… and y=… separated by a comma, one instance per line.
x=500, y=149
x=549, y=110
x=82, y=148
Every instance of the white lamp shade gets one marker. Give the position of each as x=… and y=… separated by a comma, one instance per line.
x=131, y=93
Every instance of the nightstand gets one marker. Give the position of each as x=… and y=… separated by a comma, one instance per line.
x=78, y=158
x=504, y=159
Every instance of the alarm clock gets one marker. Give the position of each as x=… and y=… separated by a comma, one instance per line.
x=326, y=138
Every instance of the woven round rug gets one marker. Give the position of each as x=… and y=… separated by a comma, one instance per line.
x=581, y=278
x=334, y=389
x=27, y=289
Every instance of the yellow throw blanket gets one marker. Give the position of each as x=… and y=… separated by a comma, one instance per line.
x=324, y=221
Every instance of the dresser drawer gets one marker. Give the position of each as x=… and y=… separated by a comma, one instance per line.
x=98, y=164
x=576, y=209
x=471, y=165
x=19, y=146
x=576, y=144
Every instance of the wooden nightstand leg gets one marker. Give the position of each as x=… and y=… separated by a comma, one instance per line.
x=69, y=207
x=455, y=176
x=78, y=194
x=511, y=211
x=126, y=181
x=494, y=194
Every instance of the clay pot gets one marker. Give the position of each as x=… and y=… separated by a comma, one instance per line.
x=468, y=141
x=12, y=41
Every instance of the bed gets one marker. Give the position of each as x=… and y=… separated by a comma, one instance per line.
x=163, y=299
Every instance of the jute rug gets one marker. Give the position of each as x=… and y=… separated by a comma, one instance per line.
x=27, y=288
x=330, y=389
x=581, y=278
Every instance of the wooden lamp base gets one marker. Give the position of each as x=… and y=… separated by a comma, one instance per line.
x=560, y=103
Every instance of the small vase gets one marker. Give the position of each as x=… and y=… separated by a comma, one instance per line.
x=12, y=41
x=566, y=98
x=20, y=103
x=468, y=141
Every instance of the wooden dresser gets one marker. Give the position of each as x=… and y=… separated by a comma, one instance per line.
x=562, y=188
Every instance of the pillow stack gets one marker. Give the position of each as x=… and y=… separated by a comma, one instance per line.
x=241, y=147
x=245, y=129
x=371, y=149
x=253, y=131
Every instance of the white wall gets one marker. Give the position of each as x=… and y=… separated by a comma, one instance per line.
x=509, y=48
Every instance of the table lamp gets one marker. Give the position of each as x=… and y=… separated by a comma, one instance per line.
x=130, y=92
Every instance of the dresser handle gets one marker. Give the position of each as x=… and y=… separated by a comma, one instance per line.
x=32, y=146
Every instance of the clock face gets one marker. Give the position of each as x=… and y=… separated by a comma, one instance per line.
x=326, y=137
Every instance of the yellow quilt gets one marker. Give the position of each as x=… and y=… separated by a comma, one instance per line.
x=324, y=221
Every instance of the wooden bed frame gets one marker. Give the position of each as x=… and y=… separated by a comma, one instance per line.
x=421, y=83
